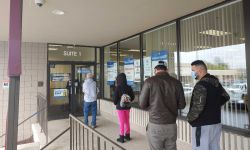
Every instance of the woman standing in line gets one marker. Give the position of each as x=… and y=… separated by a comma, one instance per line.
x=123, y=112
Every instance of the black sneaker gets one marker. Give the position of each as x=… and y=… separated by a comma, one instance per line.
x=121, y=139
x=127, y=137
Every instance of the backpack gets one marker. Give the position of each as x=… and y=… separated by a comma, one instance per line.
x=125, y=100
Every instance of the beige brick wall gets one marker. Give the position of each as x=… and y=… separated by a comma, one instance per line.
x=34, y=69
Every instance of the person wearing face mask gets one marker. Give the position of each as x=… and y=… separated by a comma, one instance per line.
x=205, y=108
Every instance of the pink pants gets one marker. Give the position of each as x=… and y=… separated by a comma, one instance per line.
x=123, y=116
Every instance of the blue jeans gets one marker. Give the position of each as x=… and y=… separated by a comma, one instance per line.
x=86, y=109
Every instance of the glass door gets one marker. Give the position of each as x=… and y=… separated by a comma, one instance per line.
x=65, y=89
x=80, y=73
x=59, y=90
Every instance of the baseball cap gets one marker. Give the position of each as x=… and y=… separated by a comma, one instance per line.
x=161, y=64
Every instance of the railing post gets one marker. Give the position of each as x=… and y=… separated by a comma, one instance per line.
x=79, y=136
x=76, y=134
x=46, y=123
x=70, y=133
x=90, y=142
x=83, y=142
x=98, y=143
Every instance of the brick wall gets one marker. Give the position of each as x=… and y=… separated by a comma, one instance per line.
x=34, y=69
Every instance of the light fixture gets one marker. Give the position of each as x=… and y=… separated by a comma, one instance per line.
x=58, y=12
x=134, y=50
x=55, y=45
x=53, y=49
x=110, y=52
x=202, y=47
x=215, y=32
x=242, y=39
x=70, y=46
x=121, y=55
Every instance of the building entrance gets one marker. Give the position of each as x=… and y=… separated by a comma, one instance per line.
x=65, y=88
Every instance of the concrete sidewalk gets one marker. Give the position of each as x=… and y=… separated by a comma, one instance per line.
x=107, y=128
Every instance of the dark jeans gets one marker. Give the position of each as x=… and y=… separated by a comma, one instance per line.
x=86, y=109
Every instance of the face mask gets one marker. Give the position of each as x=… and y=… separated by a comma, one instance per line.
x=194, y=75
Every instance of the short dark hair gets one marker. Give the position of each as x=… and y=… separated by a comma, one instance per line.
x=199, y=63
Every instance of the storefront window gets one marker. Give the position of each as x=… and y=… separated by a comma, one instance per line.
x=160, y=44
x=110, y=70
x=129, y=57
x=217, y=37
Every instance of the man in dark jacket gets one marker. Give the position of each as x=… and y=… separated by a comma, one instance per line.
x=205, y=109
x=162, y=95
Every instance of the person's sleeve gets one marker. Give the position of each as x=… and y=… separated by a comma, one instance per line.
x=144, y=96
x=116, y=96
x=97, y=90
x=224, y=96
x=181, y=103
x=83, y=88
x=197, y=103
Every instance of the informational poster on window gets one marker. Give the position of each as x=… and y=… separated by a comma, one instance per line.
x=60, y=92
x=84, y=70
x=59, y=77
x=137, y=70
x=147, y=67
x=112, y=71
x=157, y=56
x=129, y=70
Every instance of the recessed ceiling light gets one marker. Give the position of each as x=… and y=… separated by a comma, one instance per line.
x=215, y=32
x=70, y=47
x=55, y=45
x=58, y=12
x=243, y=39
x=53, y=49
x=134, y=50
x=203, y=47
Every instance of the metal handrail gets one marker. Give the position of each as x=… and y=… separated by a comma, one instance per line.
x=42, y=118
x=26, y=119
x=34, y=114
x=98, y=134
x=57, y=137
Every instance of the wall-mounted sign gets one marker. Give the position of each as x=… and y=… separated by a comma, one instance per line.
x=112, y=72
x=157, y=56
x=147, y=67
x=5, y=84
x=60, y=92
x=84, y=70
x=59, y=76
x=70, y=53
x=137, y=70
x=129, y=70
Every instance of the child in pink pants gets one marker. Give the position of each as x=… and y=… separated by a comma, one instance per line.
x=123, y=116
x=123, y=111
